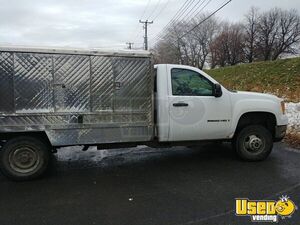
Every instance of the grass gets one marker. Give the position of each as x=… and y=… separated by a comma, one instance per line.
x=280, y=77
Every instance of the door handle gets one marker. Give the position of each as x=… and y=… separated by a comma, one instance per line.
x=180, y=104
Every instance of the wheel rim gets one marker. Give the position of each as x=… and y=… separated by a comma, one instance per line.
x=24, y=159
x=254, y=143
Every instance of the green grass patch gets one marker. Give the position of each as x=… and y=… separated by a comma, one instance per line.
x=280, y=77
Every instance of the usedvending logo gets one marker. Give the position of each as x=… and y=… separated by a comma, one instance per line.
x=265, y=210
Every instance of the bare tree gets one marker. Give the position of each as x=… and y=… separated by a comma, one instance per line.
x=278, y=33
x=191, y=47
x=168, y=49
x=204, y=36
x=261, y=36
x=164, y=53
x=251, y=33
x=236, y=44
x=219, y=50
x=289, y=33
x=227, y=47
x=268, y=28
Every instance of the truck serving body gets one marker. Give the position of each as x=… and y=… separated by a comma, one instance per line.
x=51, y=98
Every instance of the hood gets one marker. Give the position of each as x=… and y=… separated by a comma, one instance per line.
x=257, y=95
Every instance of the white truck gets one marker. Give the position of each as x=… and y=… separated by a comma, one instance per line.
x=51, y=98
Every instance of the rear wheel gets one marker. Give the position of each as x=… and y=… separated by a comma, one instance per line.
x=253, y=143
x=24, y=158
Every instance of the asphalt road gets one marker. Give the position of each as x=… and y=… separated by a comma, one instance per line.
x=151, y=186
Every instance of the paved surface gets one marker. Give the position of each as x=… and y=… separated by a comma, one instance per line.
x=151, y=186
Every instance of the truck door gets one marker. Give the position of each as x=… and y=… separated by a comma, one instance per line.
x=195, y=113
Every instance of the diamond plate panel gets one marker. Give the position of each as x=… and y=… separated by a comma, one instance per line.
x=65, y=137
x=6, y=82
x=134, y=78
x=94, y=99
x=102, y=85
x=71, y=83
x=32, y=79
x=61, y=120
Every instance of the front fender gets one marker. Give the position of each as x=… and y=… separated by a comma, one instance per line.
x=243, y=106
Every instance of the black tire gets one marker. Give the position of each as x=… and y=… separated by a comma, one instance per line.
x=253, y=143
x=24, y=158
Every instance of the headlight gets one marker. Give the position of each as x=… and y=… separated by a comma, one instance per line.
x=283, y=107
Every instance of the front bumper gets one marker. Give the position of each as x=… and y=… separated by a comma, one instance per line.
x=280, y=132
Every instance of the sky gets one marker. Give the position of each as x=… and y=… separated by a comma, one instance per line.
x=104, y=23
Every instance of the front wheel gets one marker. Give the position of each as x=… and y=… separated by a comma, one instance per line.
x=253, y=143
x=24, y=158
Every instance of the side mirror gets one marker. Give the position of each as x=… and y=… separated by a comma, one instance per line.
x=217, y=90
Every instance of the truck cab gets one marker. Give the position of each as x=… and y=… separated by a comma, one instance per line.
x=192, y=106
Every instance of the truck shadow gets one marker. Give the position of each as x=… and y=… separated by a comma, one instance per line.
x=74, y=158
x=212, y=157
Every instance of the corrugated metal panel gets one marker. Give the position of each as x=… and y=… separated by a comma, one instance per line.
x=71, y=83
x=32, y=82
x=6, y=82
x=102, y=83
x=133, y=84
x=99, y=135
x=62, y=120
x=77, y=99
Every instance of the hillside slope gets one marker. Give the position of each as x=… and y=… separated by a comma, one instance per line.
x=280, y=77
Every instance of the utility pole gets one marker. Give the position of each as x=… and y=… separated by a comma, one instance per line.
x=146, y=32
x=130, y=44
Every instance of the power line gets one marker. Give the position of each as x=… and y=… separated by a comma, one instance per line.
x=180, y=14
x=183, y=13
x=191, y=12
x=162, y=9
x=202, y=21
x=145, y=9
x=186, y=4
x=195, y=8
x=177, y=13
x=155, y=8
x=187, y=11
x=195, y=12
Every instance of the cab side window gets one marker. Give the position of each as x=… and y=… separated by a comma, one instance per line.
x=190, y=83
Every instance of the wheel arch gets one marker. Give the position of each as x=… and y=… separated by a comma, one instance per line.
x=266, y=119
x=40, y=135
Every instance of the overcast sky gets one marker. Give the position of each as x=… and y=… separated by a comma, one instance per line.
x=102, y=23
